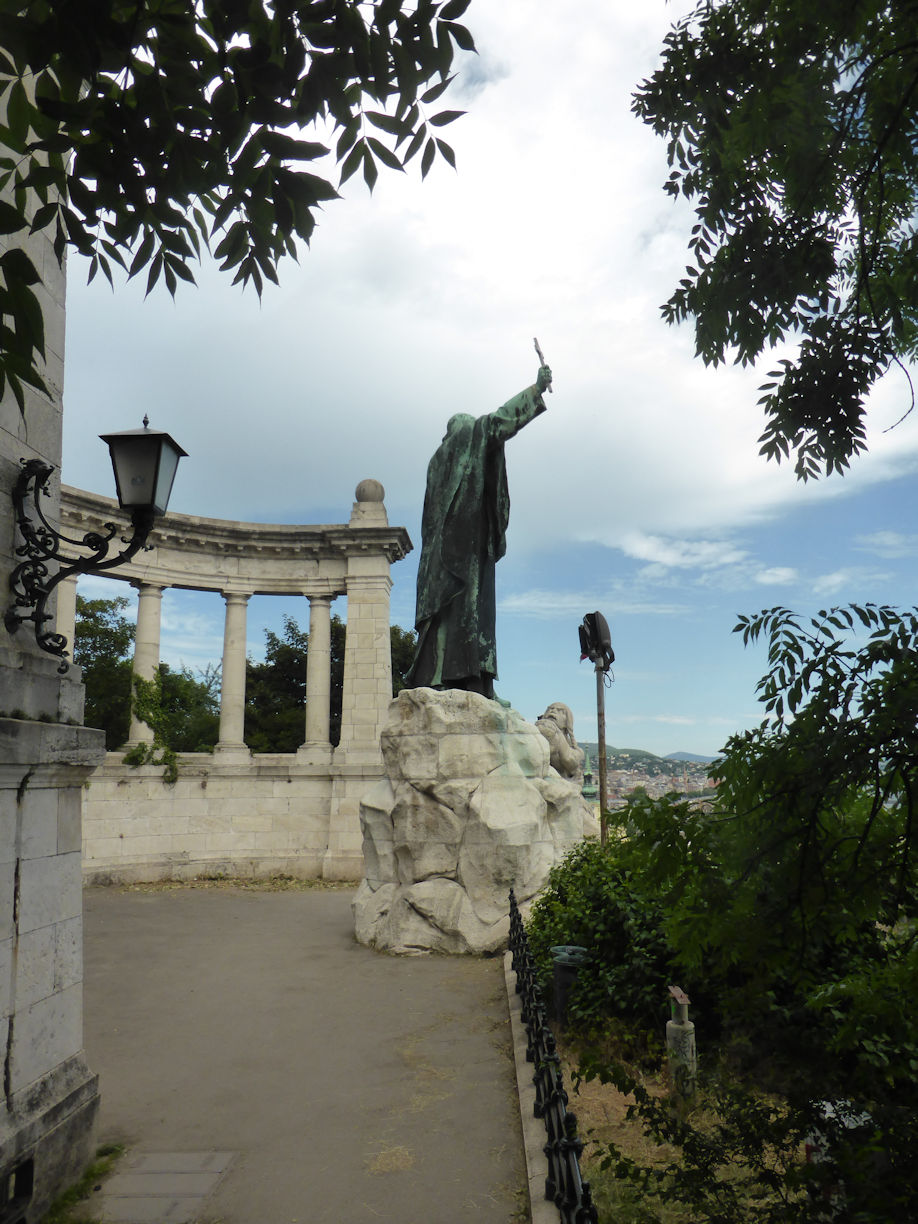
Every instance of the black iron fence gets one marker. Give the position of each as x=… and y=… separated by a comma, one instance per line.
x=563, y=1186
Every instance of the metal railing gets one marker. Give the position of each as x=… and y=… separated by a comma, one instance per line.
x=563, y=1186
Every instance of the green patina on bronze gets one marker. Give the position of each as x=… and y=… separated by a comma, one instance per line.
x=463, y=536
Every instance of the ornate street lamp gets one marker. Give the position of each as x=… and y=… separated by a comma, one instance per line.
x=144, y=461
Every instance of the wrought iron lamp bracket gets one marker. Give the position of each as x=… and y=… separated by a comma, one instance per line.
x=31, y=582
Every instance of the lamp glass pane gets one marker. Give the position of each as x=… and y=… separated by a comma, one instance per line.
x=135, y=463
x=168, y=462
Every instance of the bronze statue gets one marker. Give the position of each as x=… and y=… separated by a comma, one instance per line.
x=463, y=536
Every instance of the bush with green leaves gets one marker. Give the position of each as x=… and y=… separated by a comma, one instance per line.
x=103, y=642
x=592, y=901
x=791, y=910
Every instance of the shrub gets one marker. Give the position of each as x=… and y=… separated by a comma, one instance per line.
x=592, y=901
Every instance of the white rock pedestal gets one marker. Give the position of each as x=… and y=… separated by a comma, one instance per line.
x=470, y=808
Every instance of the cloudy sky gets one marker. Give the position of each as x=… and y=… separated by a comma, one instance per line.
x=639, y=493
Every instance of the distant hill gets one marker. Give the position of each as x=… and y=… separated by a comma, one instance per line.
x=634, y=754
x=640, y=758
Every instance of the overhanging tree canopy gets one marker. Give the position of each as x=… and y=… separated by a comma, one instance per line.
x=141, y=131
x=794, y=129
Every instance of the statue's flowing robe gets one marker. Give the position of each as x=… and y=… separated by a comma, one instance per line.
x=463, y=536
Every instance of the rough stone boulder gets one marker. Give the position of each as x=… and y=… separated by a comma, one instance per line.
x=470, y=808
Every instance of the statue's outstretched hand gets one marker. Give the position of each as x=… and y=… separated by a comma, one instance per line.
x=543, y=381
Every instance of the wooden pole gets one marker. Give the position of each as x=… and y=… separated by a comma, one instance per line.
x=601, y=732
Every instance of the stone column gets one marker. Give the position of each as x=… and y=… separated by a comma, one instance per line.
x=66, y=610
x=232, y=688
x=317, y=748
x=146, y=649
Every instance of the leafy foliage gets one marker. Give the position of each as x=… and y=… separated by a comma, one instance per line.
x=592, y=901
x=403, y=643
x=793, y=129
x=825, y=788
x=276, y=688
x=140, y=132
x=184, y=714
x=102, y=645
x=790, y=914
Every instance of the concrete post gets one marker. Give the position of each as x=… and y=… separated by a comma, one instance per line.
x=680, y=1044
x=146, y=649
x=232, y=689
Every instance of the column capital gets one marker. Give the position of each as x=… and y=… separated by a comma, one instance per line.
x=148, y=589
x=324, y=588
x=237, y=597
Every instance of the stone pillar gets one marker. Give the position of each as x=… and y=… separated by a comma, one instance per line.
x=66, y=611
x=232, y=688
x=50, y=1099
x=367, y=688
x=146, y=649
x=317, y=748
x=357, y=761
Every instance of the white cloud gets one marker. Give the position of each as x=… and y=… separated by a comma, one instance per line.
x=681, y=554
x=837, y=580
x=776, y=575
x=423, y=301
x=889, y=544
x=548, y=604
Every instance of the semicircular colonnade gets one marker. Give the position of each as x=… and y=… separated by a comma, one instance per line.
x=234, y=812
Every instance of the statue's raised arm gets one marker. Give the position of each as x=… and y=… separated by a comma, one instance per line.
x=463, y=536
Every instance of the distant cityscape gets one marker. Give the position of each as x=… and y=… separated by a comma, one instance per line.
x=631, y=769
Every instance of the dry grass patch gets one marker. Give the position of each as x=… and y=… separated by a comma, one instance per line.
x=392, y=1160
x=602, y=1118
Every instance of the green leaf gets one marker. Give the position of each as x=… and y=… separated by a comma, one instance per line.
x=386, y=156
x=449, y=12
x=352, y=162
x=43, y=216
x=444, y=117
x=144, y=254
x=370, y=172
x=461, y=35
x=446, y=152
x=18, y=116
x=430, y=151
x=416, y=141
x=155, y=270
x=388, y=123
x=437, y=91
x=11, y=219
x=17, y=265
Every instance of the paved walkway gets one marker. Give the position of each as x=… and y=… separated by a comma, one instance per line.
x=264, y=1068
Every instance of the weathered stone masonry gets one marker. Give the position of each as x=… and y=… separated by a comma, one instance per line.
x=48, y=1095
